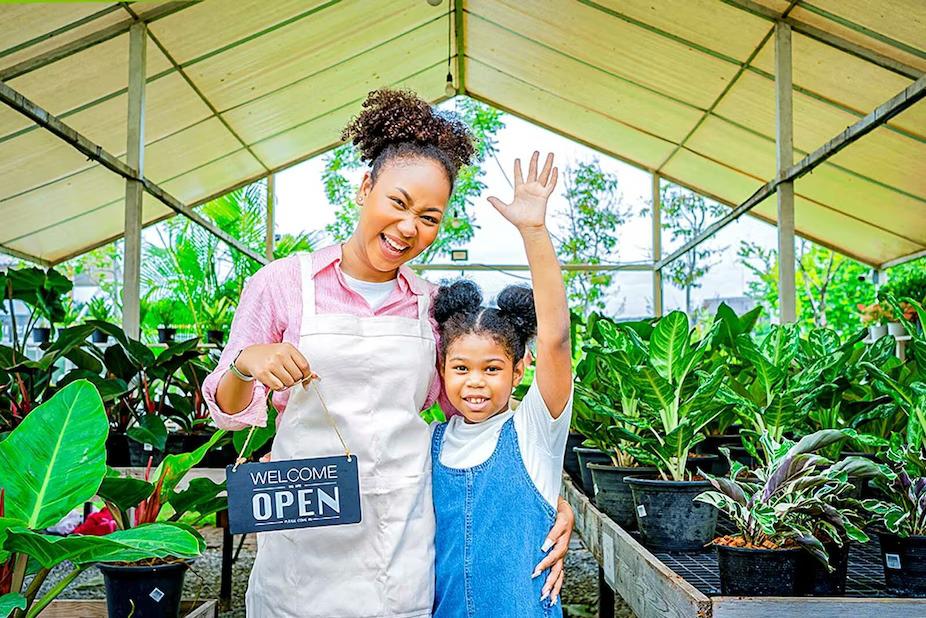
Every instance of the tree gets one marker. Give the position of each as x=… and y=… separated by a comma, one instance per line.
x=458, y=225
x=591, y=218
x=828, y=285
x=686, y=215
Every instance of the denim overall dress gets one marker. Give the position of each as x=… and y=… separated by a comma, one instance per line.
x=491, y=523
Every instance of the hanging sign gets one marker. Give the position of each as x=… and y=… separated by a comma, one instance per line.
x=291, y=494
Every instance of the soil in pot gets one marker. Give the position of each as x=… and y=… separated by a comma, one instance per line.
x=139, y=453
x=668, y=517
x=144, y=591
x=571, y=461
x=904, y=561
x=587, y=456
x=613, y=496
x=761, y=572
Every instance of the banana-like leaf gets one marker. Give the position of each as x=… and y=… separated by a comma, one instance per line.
x=55, y=459
x=174, y=467
x=11, y=601
x=669, y=345
x=161, y=540
x=124, y=492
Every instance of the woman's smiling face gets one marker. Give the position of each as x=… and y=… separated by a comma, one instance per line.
x=400, y=217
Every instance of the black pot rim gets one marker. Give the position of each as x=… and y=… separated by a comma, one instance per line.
x=587, y=449
x=139, y=568
x=757, y=550
x=596, y=466
x=921, y=538
x=658, y=482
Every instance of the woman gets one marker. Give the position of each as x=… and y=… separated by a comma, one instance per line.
x=357, y=316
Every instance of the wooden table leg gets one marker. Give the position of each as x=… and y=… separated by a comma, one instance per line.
x=605, y=597
x=225, y=585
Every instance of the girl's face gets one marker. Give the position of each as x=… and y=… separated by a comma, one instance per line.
x=400, y=217
x=479, y=376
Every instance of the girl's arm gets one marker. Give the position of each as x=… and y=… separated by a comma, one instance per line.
x=527, y=212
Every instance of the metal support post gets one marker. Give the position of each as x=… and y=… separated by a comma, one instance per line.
x=134, y=189
x=271, y=209
x=784, y=142
x=657, y=247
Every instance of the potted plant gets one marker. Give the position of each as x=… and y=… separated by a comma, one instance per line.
x=42, y=292
x=794, y=517
x=678, y=398
x=599, y=395
x=874, y=318
x=901, y=514
x=57, y=477
x=99, y=309
x=216, y=315
x=137, y=503
x=165, y=312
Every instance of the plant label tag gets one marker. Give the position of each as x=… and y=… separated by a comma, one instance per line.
x=641, y=510
x=148, y=447
x=157, y=594
x=292, y=494
x=892, y=561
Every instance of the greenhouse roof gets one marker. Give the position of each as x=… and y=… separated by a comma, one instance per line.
x=685, y=88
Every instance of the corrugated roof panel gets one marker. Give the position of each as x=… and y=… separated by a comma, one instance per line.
x=579, y=83
x=330, y=37
x=338, y=86
x=34, y=159
x=888, y=156
x=901, y=20
x=202, y=143
x=26, y=22
x=588, y=126
x=200, y=182
x=595, y=37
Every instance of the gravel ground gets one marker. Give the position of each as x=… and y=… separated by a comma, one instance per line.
x=579, y=595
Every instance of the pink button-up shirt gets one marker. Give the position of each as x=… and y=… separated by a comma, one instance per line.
x=270, y=311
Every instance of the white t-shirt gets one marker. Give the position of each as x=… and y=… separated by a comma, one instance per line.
x=541, y=440
x=374, y=292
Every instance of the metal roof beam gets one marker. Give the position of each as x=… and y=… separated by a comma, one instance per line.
x=880, y=115
x=92, y=151
x=828, y=38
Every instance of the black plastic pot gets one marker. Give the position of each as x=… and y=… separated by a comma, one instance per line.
x=41, y=334
x=904, y=561
x=741, y=455
x=586, y=456
x=144, y=591
x=762, y=572
x=712, y=464
x=613, y=496
x=98, y=336
x=824, y=583
x=139, y=453
x=166, y=334
x=711, y=444
x=117, y=450
x=571, y=461
x=668, y=517
x=215, y=336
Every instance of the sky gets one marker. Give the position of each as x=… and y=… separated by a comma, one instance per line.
x=302, y=206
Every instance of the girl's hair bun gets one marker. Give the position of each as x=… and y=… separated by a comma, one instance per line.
x=516, y=304
x=460, y=297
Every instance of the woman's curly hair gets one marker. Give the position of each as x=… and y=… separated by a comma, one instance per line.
x=458, y=311
x=396, y=124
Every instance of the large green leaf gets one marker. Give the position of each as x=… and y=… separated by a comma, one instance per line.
x=11, y=601
x=161, y=540
x=174, y=467
x=202, y=496
x=149, y=430
x=668, y=344
x=55, y=459
x=124, y=492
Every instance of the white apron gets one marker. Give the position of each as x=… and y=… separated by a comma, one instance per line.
x=375, y=373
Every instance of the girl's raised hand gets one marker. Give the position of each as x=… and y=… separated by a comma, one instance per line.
x=529, y=206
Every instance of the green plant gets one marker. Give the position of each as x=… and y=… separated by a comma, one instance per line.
x=98, y=308
x=216, y=313
x=42, y=480
x=165, y=312
x=73, y=313
x=678, y=397
x=797, y=498
x=904, y=511
x=43, y=292
x=906, y=280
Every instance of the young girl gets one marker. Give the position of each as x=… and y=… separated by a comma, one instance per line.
x=496, y=472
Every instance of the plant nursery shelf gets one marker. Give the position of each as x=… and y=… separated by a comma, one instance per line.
x=97, y=609
x=687, y=586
